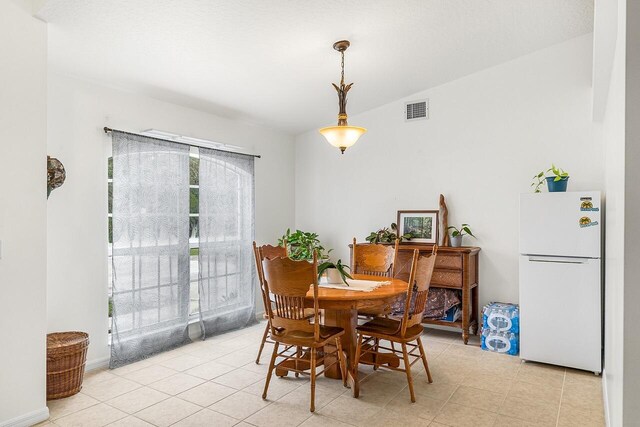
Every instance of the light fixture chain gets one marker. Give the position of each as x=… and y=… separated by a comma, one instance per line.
x=342, y=65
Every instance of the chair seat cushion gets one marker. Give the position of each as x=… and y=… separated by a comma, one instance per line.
x=390, y=329
x=305, y=338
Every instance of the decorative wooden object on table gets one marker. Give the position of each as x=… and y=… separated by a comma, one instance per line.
x=444, y=222
x=404, y=331
x=288, y=282
x=266, y=251
x=374, y=260
x=456, y=268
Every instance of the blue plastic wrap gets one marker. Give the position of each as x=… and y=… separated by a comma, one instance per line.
x=501, y=317
x=500, y=342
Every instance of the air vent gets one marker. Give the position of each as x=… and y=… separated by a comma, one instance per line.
x=417, y=110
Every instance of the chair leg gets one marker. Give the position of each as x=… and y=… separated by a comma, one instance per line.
x=356, y=362
x=264, y=338
x=423, y=355
x=343, y=363
x=298, y=357
x=271, y=366
x=375, y=354
x=407, y=369
x=313, y=379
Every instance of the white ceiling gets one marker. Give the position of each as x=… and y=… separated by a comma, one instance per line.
x=270, y=62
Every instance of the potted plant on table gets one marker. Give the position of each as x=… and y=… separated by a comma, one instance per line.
x=336, y=272
x=301, y=245
x=555, y=183
x=458, y=233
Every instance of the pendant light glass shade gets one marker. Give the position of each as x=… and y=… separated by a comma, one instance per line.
x=342, y=137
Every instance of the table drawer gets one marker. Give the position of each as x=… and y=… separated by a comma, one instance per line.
x=449, y=261
x=447, y=278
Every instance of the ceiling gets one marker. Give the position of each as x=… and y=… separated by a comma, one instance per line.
x=270, y=62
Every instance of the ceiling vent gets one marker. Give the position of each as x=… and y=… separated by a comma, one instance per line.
x=417, y=110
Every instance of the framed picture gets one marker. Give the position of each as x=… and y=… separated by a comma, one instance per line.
x=421, y=225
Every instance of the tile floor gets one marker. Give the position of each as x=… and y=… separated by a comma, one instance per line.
x=217, y=383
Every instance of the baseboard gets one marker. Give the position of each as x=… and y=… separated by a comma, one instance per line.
x=605, y=398
x=27, y=420
x=94, y=364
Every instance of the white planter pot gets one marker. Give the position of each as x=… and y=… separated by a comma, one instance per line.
x=333, y=276
x=456, y=241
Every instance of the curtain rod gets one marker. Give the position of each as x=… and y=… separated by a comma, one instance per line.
x=107, y=130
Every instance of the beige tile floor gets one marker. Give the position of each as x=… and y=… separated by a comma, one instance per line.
x=217, y=383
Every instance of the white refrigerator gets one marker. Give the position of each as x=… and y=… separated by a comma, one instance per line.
x=561, y=279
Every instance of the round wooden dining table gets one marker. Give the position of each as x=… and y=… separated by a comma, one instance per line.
x=341, y=307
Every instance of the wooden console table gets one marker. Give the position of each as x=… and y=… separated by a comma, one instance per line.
x=456, y=268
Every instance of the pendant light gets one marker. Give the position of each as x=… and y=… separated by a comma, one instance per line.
x=342, y=136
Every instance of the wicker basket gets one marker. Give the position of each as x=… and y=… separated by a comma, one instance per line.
x=66, y=357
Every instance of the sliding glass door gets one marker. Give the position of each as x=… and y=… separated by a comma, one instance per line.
x=181, y=226
x=150, y=249
x=227, y=271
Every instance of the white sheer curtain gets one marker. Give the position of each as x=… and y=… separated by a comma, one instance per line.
x=150, y=247
x=227, y=279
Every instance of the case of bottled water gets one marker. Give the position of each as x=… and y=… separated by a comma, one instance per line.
x=501, y=328
x=501, y=317
x=500, y=342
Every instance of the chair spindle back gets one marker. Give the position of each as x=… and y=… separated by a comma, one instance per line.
x=287, y=282
x=266, y=251
x=421, y=271
x=374, y=259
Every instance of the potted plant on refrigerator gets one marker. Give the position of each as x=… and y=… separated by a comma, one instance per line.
x=555, y=183
x=334, y=271
x=458, y=233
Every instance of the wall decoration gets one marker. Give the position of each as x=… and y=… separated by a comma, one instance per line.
x=422, y=225
x=55, y=174
x=444, y=222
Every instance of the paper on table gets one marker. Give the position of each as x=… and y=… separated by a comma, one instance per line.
x=354, y=285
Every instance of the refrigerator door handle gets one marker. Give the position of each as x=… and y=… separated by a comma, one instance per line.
x=557, y=259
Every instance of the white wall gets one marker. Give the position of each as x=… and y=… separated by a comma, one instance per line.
x=622, y=166
x=614, y=155
x=23, y=49
x=605, y=34
x=77, y=211
x=631, y=215
x=488, y=134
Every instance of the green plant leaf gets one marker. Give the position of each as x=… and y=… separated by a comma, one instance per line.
x=468, y=230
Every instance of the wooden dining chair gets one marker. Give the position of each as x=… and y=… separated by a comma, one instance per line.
x=266, y=251
x=404, y=331
x=374, y=260
x=288, y=281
